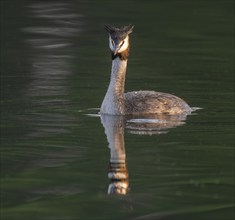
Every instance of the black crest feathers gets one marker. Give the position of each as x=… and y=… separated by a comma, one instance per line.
x=122, y=30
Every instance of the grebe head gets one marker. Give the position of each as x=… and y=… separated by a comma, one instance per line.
x=118, y=38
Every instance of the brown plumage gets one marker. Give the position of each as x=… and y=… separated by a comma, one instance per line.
x=151, y=102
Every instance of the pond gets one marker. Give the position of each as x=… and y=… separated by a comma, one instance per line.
x=61, y=160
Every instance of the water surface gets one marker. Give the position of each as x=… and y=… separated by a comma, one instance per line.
x=57, y=160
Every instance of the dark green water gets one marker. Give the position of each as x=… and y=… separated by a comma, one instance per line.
x=55, y=67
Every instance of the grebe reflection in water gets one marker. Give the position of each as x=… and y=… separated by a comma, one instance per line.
x=114, y=126
x=118, y=174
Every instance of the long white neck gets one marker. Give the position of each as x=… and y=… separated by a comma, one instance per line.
x=113, y=102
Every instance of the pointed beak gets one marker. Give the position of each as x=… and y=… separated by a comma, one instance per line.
x=116, y=50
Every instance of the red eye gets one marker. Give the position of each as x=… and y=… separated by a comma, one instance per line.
x=122, y=43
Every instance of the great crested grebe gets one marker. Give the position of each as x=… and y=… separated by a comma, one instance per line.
x=116, y=102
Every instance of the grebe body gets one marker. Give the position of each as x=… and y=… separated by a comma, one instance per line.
x=117, y=102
